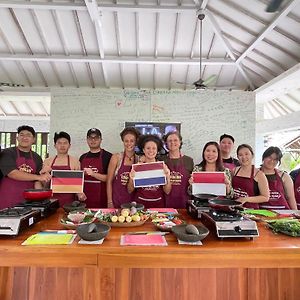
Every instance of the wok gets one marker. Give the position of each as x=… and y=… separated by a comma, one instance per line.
x=225, y=204
x=37, y=194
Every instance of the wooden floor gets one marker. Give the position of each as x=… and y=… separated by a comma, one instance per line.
x=25, y=283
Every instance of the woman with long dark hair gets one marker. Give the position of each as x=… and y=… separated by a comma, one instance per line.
x=250, y=185
x=212, y=162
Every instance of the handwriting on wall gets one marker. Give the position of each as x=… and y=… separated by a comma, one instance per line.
x=204, y=115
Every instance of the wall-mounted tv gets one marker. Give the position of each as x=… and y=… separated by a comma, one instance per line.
x=157, y=128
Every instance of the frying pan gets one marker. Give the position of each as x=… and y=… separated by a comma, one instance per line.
x=205, y=197
x=225, y=204
x=37, y=194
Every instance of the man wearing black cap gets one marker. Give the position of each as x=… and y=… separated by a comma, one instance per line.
x=226, y=147
x=20, y=168
x=95, y=165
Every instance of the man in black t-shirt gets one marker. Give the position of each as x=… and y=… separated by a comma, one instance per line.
x=95, y=164
x=20, y=168
x=226, y=147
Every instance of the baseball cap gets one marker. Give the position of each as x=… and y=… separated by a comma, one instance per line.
x=95, y=131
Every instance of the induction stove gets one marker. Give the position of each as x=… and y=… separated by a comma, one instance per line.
x=46, y=206
x=15, y=219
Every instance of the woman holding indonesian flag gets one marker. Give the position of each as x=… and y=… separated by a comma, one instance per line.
x=212, y=162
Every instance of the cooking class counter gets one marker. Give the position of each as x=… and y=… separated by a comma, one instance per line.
x=240, y=260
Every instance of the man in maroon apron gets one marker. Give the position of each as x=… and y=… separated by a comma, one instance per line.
x=226, y=147
x=296, y=179
x=95, y=165
x=63, y=161
x=20, y=168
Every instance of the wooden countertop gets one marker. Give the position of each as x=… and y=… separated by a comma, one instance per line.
x=267, y=251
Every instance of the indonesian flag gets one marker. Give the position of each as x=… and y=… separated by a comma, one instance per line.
x=65, y=181
x=209, y=183
x=149, y=174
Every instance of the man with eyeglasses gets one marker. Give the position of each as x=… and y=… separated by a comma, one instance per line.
x=95, y=164
x=20, y=168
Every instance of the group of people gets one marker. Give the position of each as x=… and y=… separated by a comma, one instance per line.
x=108, y=178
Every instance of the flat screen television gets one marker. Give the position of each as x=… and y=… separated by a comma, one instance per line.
x=157, y=128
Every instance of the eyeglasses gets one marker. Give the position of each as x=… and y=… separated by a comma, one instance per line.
x=274, y=160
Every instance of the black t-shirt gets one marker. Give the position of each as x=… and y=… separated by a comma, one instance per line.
x=231, y=160
x=8, y=159
x=106, y=156
x=294, y=174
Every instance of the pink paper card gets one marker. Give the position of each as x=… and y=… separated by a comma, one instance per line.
x=143, y=240
x=163, y=210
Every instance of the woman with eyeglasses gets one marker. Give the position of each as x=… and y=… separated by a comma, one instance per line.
x=280, y=183
x=250, y=184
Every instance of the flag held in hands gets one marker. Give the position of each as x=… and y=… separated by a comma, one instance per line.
x=65, y=181
x=209, y=183
x=149, y=174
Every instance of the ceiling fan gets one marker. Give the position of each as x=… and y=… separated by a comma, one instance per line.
x=9, y=85
x=201, y=84
x=273, y=6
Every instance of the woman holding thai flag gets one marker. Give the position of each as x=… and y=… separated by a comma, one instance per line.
x=212, y=162
x=150, y=179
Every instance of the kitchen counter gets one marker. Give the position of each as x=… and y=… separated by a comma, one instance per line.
x=263, y=268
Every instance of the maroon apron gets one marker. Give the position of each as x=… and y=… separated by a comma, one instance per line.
x=151, y=196
x=229, y=165
x=120, y=193
x=277, y=198
x=244, y=187
x=297, y=190
x=94, y=189
x=179, y=177
x=11, y=190
x=63, y=198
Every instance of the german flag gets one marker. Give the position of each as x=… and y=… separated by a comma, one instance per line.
x=65, y=181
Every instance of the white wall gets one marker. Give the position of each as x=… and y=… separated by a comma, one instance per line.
x=204, y=115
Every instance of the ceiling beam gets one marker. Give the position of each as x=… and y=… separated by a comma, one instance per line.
x=38, y=5
x=115, y=59
x=290, y=121
x=29, y=118
x=227, y=47
x=269, y=28
x=92, y=7
x=282, y=84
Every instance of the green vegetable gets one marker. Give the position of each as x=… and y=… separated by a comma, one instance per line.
x=287, y=226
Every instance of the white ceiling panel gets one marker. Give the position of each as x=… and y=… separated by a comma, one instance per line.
x=148, y=44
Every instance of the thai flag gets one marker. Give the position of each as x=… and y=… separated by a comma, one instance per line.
x=65, y=181
x=149, y=174
x=209, y=183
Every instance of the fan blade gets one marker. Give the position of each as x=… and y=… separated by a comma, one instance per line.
x=210, y=79
x=273, y=5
